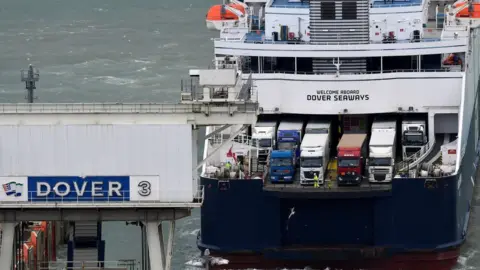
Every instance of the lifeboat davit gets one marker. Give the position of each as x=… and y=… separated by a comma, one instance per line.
x=465, y=13
x=218, y=17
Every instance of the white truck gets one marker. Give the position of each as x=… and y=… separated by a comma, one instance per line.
x=263, y=133
x=382, y=148
x=314, y=152
x=414, y=137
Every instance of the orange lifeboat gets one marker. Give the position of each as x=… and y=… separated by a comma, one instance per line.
x=218, y=17
x=465, y=13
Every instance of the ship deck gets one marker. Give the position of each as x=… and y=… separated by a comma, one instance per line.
x=430, y=34
x=332, y=190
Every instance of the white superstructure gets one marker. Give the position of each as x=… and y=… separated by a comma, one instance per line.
x=360, y=57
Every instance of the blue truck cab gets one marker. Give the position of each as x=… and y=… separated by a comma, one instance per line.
x=282, y=166
x=289, y=137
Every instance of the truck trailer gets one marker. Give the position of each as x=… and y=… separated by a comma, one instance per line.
x=351, y=151
x=314, y=152
x=381, y=161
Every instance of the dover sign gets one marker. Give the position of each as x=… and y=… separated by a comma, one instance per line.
x=68, y=188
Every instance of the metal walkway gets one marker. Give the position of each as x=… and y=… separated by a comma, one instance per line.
x=196, y=113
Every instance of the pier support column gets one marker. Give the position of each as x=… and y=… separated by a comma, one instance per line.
x=160, y=259
x=154, y=240
x=6, y=248
x=195, y=156
x=169, y=254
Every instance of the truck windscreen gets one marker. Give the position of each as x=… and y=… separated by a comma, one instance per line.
x=348, y=162
x=380, y=162
x=413, y=138
x=311, y=162
x=281, y=162
x=286, y=145
x=265, y=143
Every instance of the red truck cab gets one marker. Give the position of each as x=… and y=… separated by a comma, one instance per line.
x=351, y=151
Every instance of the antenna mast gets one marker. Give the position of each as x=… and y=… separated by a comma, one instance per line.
x=30, y=76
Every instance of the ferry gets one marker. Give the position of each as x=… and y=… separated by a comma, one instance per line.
x=365, y=150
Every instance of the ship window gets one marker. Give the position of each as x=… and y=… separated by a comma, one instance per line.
x=328, y=10
x=349, y=10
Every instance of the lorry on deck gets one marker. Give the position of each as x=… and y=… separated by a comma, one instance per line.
x=282, y=166
x=414, y=137
x=289, y=136
x=382, y=146
x=263, y=134
x=314, y=152
x=351, y=152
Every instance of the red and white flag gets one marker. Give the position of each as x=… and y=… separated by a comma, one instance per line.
x=230, y=154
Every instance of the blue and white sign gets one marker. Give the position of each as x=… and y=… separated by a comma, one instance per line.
x=74, y=188
x=13, y=189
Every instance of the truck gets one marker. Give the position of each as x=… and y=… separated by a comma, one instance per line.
x=414, y=137
x=263, y=134
x=351, y=151
x=282, y=166
x=289, y=136
x=381, y=160
x=314, y=152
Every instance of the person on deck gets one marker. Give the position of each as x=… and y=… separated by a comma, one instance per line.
x=315, y=181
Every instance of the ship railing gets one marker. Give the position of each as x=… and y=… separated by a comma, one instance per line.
x=446, y=69
x=233, y=33
x=380, y=4
x=325, y=187
x=242, y=91
x=121, y=108
x=90, y=265
x=102, y=198
x=412, y=161
x=429, y=35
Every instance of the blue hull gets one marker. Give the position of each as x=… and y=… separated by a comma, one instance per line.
x=244, y=219
x=416, y=220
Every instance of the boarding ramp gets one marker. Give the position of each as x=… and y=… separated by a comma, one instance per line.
x=427, y=154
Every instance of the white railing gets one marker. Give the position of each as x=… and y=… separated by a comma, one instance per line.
x=56, y=108
x=429, y=35
x=413, y=160
x=446, y=69
x=234, y=33
x=101, y=199
x=90, y=265
x=381, y=4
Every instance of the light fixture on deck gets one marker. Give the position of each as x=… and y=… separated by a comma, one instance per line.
x=30, y=76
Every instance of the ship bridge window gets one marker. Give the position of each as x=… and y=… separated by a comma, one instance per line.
x=349, y=10
x=327, y=11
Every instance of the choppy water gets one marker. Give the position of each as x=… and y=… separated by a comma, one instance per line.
x=118, y=50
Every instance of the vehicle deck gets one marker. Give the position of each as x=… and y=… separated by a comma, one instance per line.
x=332, y=190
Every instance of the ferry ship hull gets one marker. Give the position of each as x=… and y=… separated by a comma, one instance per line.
x=417, y=224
